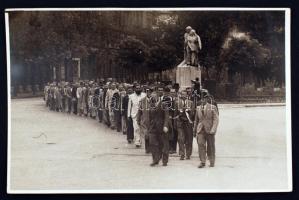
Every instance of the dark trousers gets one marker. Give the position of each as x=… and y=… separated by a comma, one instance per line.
x=69, y=104
x=147, y=144
x=174, y=140
x=185, y=139
x=117, y=118
x=130, y=129
x=206, y=147
x=106, y=117
x=100, y=114
x=52, y=103
x=75, y=106
x=63, y=104
x=159, y=147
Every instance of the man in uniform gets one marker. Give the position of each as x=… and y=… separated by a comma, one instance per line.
x=173, y=121
x=185, y=114
x=205, y=127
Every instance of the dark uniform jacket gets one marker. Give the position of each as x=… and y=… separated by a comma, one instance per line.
x=184, y=112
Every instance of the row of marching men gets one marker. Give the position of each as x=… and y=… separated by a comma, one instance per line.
x=155, y=116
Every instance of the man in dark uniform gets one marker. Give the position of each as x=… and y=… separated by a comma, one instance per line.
x=173, y=121
x=158, y=131
x=185, y=114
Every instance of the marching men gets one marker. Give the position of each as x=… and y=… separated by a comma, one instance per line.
x=160, y=115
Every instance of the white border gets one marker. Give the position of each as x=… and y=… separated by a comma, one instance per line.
x=288, y=103
x=288, y=95
x=8, y=101
x=147, y=9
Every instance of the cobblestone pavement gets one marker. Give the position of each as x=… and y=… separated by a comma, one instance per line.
x=57, y=151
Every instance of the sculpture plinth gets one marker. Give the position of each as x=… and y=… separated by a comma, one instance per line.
x=185, y=73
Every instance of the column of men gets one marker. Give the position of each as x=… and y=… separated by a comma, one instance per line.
x=155, y=116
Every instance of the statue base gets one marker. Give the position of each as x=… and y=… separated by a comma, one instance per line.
x=185, y=73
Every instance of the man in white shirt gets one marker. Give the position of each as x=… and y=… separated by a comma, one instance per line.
x=133, y=105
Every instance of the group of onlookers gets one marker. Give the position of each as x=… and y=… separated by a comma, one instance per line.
x=159, y=115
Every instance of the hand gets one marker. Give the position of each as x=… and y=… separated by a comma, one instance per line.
x=212, y=132
x=194, y=133
x=165, y=129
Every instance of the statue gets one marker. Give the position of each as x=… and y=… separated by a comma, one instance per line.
x=189, y=68
x=192, y=45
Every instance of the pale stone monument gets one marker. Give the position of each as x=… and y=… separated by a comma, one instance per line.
x=189, y=68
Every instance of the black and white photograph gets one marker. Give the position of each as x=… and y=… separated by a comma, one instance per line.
x=148, y=100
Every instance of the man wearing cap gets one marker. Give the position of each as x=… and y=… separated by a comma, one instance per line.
x=133, y=104
x=185, y=114
x=205, y=127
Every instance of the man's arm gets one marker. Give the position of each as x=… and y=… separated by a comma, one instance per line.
x=195, y=122
x=166, y=120
x=199, y=42
x=129, y=106
x=215, y=120
x=77, y=93
x=106, y=99
x=139, y=114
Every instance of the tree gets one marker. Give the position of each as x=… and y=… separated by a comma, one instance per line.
x=245, y=55
x=133, y=54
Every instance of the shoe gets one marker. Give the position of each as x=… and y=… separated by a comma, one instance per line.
x=182, y=158
x=172, y=152
x=129, y=141
x=212, y=164
x=153, y=164
x=138, y=145
x=202, y=165
x=188, y=158
x=164, y=164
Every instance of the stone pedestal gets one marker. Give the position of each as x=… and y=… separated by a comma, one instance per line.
x=184, y=75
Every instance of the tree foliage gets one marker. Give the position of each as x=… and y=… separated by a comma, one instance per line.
x=47, y=38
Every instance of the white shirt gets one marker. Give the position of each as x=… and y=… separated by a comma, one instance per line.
x=133, y=104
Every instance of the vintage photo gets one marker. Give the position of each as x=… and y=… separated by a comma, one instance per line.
x=148, y=100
